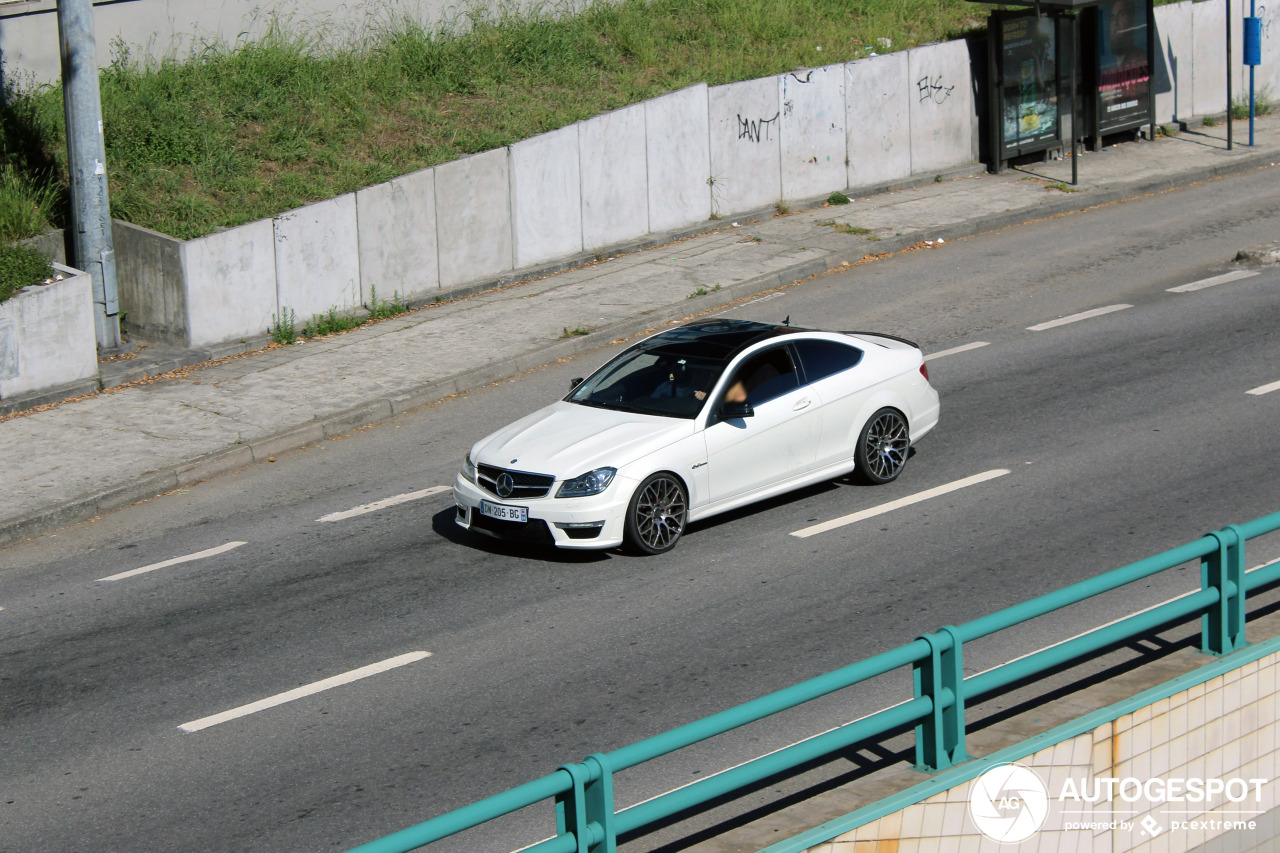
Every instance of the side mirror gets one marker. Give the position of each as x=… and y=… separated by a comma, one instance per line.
x=574, y=383
x=737, y=410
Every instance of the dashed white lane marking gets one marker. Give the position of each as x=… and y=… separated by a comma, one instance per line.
x=936, y=491
x=956, y=350
x=199, y=555
x=1264, y=389
x=305, y=690
x=1075, y=318
x=384, y=503
x=1236, y=275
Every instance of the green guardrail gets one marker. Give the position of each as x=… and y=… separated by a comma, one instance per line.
x=587, y=822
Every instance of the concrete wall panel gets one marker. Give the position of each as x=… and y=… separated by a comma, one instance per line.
x=150, y=283
x=473, y=217
x=877, y=120
x=397, y=237
x=944, y=119
x=46, y=335
x=746, y=170
x=1222, y=727
x=546, y=197
x=615, y=186
x=231, y=283
x=317, y=257
x=812, y=131
x=1266, y=75
x=679, y=159
x=1175, y=58
x=1209, y=61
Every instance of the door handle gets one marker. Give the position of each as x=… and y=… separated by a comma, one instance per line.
x=801, y=404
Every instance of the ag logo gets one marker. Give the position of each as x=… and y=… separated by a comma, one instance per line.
x=506, y=485
x=1008, y=803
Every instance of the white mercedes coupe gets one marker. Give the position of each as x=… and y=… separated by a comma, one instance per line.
x=694, y=421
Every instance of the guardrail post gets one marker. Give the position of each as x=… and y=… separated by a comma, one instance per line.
x=586, y=811
x=940, y=677
x=1222, y=628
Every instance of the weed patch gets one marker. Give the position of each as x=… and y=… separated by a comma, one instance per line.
x=283, y=329
x=21, y=266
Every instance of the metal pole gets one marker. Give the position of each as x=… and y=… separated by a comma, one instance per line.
x=86, y=161
x=1075, y=99
x=1151, y=72
x=1230, y=135
x=1253, y=13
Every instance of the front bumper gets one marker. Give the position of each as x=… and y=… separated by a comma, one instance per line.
x=552, y=520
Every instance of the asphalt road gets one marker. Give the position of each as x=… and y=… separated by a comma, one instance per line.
x=1123, y=434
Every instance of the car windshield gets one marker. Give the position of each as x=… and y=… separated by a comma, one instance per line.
x=663, y=381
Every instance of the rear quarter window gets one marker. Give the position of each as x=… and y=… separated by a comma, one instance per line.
x=825, y=358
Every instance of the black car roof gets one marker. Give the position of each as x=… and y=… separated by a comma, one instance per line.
x=718, y=340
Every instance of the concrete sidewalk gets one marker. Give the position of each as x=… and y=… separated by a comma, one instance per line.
x=83, y=457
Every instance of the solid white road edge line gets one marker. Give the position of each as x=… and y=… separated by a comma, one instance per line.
x=199, y=555
x=1264, y=389
x=955, y=350
x=936, y=491
x=1083, y=315
x=305, y=690
x=384, y=503
x=1212, y=282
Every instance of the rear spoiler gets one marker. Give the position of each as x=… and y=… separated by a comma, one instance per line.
x=883, y=335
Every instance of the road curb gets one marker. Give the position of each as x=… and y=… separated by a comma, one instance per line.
x=225, y=460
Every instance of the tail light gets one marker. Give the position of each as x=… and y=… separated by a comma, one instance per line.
x=924, y=371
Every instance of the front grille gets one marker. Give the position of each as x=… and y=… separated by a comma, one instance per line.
x=526, y=485
x=534, y=530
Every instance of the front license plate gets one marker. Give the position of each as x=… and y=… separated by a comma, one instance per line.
x=505, y=513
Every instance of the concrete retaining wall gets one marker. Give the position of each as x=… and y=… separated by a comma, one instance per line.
x=678, y=159
x=1209, y=58
x=615, y=181
x=47, y=336
x=1224, y=728
x=943, y=113
x=1175, y=35
x=152, y=287
x=473, y=229
x=396, y=232
x=229, y=284
x=878, y=119
x=746, y=170
x=318, y=257
x=546, y=197
x=812, y=131
x=663, y=165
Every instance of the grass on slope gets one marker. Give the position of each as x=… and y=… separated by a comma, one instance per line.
x=240, y=133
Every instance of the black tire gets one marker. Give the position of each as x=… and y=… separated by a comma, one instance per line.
x=657, y=514
x=883, y=447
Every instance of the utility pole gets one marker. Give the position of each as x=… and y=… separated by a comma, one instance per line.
x=87, y=162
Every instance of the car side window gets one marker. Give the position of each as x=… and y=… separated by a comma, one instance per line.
x=824, y=358
x=767, y=375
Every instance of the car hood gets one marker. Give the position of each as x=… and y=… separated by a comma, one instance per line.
x=566, y=440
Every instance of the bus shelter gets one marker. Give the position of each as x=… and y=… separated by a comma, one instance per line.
x=1060, y=71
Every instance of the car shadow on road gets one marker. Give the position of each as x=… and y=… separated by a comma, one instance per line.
x=445, y=526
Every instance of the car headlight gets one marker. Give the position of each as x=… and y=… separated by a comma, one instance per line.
x=468, y=469
x=590, y=483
